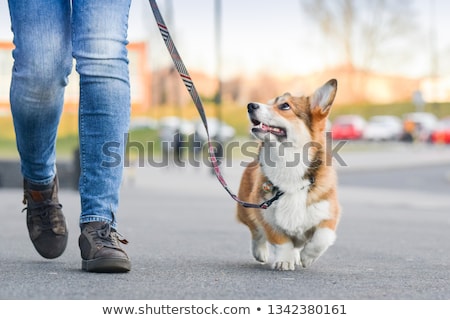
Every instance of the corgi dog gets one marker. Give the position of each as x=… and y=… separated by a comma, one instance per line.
x=294, y=162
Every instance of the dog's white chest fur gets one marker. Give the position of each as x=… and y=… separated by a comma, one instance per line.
x=290, y=213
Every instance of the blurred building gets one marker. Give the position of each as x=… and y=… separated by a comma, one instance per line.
x=140, y=79
x=6, y=62
x=436, y=90
x=140, y=74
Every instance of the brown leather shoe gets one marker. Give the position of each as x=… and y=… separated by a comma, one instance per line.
x=45, y=220
x=100, y=249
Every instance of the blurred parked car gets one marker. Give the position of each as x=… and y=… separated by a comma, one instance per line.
x=441, y=134
x=328, y=126
x=383, y=128
x=168, y=126
x=348, y=127
x=218, y=130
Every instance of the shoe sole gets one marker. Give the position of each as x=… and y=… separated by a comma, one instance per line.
x=106, y=265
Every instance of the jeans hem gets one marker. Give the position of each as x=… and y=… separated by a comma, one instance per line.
x=98, y=219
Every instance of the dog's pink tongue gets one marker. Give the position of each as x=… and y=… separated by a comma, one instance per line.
x=265, y=127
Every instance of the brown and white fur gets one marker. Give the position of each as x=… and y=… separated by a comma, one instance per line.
x=292, y=157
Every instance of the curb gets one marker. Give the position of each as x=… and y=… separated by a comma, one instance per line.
x=11, y=176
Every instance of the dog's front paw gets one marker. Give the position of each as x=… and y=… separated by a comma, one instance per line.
x=319, y=243
x=284, y=265
x=285, y=257
x=307, y=260
x=260, y=251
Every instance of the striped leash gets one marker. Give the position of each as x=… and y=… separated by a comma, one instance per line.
x=184, y=74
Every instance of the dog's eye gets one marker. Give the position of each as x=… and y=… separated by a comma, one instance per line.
x=284, y=106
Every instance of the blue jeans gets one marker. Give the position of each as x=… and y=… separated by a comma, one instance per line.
x=47, y=36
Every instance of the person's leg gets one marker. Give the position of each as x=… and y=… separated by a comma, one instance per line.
x=99, y=48
x=42, y=63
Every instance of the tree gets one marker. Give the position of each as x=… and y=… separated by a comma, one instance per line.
x=364, y=31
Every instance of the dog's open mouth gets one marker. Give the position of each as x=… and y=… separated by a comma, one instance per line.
x=262, y=127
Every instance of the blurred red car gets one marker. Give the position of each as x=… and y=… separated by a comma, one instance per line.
x=348, y=127
x=441, y=134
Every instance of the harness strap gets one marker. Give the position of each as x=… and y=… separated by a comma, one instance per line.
x=184, y=74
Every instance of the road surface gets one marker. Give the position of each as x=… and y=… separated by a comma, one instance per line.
x=393, y=241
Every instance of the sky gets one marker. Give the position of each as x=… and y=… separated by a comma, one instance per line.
x=269, y=36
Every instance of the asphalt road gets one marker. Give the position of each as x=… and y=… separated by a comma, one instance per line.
x=393, y=242
x=431, y=179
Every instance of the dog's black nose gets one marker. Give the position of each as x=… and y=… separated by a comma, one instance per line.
x=252, y=107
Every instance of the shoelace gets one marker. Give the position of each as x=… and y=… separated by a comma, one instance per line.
x=42, y=209
x=108, y=236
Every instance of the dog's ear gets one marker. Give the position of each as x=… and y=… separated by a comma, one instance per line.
x=324, y=96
